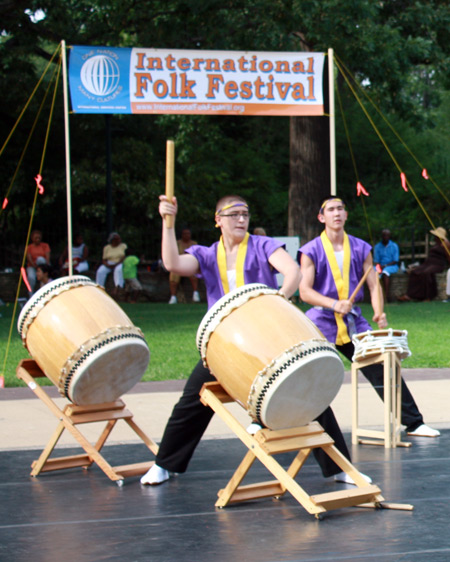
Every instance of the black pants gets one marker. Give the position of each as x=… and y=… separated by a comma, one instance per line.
x=190, y=418
x=411, y=417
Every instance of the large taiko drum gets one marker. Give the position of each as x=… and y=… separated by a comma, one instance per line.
x=83, y=341
x=269, y=357
x=374, y=342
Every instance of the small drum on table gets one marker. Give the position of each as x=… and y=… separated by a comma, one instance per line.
x=269, y=357
x=374, y=342
x=83, y=341
x=387, y=347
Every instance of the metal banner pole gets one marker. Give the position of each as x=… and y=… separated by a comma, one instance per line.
x=67, y=143
x=332, y=122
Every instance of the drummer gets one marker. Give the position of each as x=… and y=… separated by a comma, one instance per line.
x=238, y=258
x=331, y=266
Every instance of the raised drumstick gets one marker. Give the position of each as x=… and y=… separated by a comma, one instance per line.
x=170, y=178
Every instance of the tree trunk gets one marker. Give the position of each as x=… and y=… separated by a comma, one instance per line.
x=309, y=174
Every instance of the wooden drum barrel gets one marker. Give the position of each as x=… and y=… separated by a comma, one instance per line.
x=269, y=357
x=83, y=341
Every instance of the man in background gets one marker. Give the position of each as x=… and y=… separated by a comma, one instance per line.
x=387, y=256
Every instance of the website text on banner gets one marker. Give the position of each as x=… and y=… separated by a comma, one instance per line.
x=119, y=80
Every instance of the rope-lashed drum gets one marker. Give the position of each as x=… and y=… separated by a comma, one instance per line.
x=269, y=357
x=374, y=342
x=83, y=341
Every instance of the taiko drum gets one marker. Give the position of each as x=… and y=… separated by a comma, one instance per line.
x=83, y=341
x=269, y=357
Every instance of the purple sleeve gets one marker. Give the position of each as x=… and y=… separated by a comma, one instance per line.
x=257, y=268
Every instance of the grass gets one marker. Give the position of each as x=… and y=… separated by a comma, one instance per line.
x=170, y=332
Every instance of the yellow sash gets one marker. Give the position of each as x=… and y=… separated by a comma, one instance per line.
x=342, y=281
x=240, y=261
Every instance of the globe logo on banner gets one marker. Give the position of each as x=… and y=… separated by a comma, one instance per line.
x=100, y=75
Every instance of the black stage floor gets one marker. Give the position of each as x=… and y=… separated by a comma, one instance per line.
x=79, y=516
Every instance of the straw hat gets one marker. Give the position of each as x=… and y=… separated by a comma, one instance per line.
x=440, y=232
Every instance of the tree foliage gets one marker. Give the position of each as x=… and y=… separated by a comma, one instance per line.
x=398, y=51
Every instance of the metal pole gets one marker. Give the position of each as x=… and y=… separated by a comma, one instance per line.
x=332, y=122
x=67, y=143
x=109, y=203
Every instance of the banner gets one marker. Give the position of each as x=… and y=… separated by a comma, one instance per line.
x=118, y=80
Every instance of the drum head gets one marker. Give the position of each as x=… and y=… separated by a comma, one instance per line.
x=298, y=387
x=107, y=373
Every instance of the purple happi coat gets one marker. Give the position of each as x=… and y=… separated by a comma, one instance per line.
x=324, y=284
x=257, y=268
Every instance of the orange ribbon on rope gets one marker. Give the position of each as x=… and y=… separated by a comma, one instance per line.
x=38, y=180
x=23, y=271
x=403, y=179
x=361, y=189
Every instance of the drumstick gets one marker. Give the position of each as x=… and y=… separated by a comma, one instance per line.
x=380, y=290
x=170, y=176
x=360, y=284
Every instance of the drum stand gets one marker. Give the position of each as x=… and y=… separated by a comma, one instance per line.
x=267, y=443
x=392, y=402
x=70, y=417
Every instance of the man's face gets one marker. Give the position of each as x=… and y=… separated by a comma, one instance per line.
x=36, y=237
x=186, y=235
x=234, y=219
x=333, y=214
x=385, y=236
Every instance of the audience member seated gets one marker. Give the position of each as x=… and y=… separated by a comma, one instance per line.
x=447, y=288
x=174, y=280
x=38, y=252
x=112, y=262
x=79, y=256
x=259, y=231
x=422, y=284
x=387, y=256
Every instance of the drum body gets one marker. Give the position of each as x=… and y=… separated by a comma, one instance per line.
x=83, y=341
x=269, y=357
x=375, y=342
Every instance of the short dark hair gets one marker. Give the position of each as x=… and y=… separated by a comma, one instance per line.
x=45, y=268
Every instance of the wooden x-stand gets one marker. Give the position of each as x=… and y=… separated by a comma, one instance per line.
x=267, y=443
x=70, y=417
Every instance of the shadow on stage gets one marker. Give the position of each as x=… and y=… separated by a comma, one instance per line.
x=81, y=515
